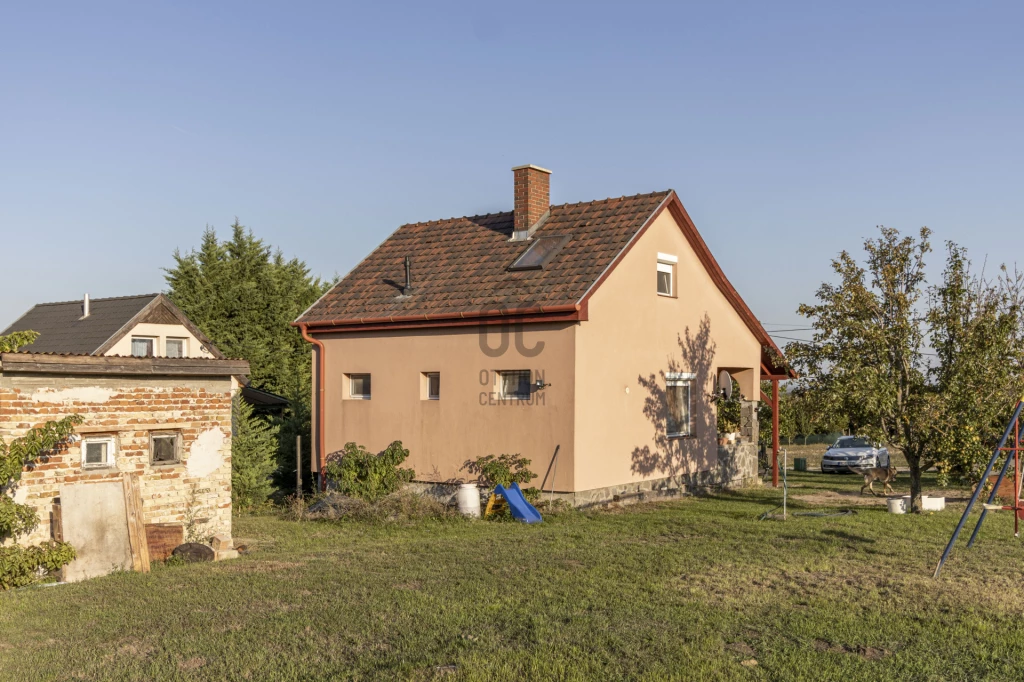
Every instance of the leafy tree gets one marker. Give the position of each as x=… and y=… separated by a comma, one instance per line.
x=244, y=296
x=867, y=362
x=975, y=330
x=253, y=456
x=866, y=359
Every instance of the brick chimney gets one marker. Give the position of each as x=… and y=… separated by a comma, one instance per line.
x=532, y=185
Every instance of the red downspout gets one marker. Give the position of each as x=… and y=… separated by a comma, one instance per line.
x=775, y=433
x=321, y=357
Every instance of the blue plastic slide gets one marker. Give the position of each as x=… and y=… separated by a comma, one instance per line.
x=517, y=504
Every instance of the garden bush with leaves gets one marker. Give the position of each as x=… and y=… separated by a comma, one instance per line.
x=504, y=470
x=359, y=473
x=20, y=566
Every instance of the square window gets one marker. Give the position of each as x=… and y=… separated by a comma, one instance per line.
x=433, y=385
x=679, y=397
x=142, y=347
x=359, y=386
x=514, y=384
x=98, y=452
x=176, y=348
x=164, y=448
x=665, y=279
x=540, y=252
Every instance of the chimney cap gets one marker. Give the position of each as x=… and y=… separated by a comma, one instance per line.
x=530, y=166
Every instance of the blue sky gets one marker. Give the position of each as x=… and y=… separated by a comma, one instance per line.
x=790, y=130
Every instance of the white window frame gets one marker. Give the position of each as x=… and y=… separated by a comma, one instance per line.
x=152, y=339
x=176, y=435
x=667, y=263
x=426, y=386
x=500, y=374
x=111, y=442
x=673, y=380
x=184, y=345
x=351, y=385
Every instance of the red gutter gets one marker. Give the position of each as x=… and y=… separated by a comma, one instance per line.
x=322, y=357
x=425, y=317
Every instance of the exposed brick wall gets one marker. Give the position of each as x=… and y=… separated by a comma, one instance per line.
x=129, y=408
x=532, y=191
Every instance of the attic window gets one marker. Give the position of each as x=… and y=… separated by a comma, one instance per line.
x=539, y=253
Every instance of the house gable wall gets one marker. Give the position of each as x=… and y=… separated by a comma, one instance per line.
x=631, y=338
x=161, y=332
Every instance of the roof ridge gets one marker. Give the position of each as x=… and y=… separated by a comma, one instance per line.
x=96, y=300
x=639, y=195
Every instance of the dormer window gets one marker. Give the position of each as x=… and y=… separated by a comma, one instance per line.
x=143, y=347
x=540, y=252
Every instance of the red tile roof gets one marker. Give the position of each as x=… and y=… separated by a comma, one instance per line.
x=460, y=265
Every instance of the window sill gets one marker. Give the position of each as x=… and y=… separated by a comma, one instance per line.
x=679, y=436
x=99, y=467
x=358, y=397
x=165, y=464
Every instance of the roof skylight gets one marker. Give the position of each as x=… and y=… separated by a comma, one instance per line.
x=539, y=253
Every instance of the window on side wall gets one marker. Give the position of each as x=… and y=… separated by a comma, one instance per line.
x=98, y=451
x=359, y=386
x=679, y=395
x=667, y=274
x=164, y=447
x=143, y=347
x=514, y=384
x=431, y=385
x=176, y=348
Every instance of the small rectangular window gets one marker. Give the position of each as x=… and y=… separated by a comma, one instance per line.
x=359, y=386
x=164, y=448
x=176, y=348
x=665, y=279
x=98, y=452
x=142, y=347
x=514, y=384
x=679, y=396
x=433, y=385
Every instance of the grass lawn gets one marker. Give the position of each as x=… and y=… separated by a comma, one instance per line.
x=692, y=589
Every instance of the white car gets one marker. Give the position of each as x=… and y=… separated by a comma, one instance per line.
x=853, y=451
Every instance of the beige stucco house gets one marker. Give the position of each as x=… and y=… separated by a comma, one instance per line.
x=586, y=337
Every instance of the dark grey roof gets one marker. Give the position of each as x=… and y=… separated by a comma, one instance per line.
x=62, y=329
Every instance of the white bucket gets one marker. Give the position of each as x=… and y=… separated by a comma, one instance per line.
x=897, y=505
x=468, y=498
x=929, y=503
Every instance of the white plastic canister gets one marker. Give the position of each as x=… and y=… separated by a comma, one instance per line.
x=468, y=498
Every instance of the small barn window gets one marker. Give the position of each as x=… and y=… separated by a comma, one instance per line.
x=359, y=386
x=164, y=447
x=98, y=451
x=679, y=398
x=514, y=384
x=432, y=384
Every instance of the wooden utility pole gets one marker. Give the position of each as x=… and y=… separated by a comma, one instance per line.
x=298, y=465
x=775, y=433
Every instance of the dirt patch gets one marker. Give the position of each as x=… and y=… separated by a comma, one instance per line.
x=835, y=498
x=194, y=663
x=742, y=648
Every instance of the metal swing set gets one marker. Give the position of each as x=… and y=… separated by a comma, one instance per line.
x=1013, y=455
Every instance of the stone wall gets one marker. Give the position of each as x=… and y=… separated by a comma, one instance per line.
x=128, y=409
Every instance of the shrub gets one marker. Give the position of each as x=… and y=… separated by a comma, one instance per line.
x=361, y=474
x=502, y=470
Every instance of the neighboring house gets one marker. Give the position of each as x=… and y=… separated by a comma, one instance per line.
x=161, y=413
x=593, y=330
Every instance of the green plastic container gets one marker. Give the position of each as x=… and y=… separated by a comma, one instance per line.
x=799, y=464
